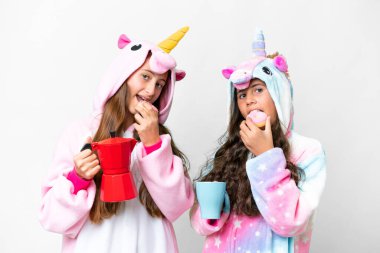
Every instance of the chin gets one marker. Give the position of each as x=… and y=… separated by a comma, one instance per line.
x=132, y=109
x=132, y=105
x=133, y=112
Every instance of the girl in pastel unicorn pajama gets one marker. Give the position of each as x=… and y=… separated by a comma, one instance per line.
x=133, y=99
x=275, y=176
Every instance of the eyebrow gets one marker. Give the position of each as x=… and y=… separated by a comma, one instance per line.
x=147, y=70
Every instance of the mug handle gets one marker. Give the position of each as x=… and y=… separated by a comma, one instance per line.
x=86, y=146
x=226, y=208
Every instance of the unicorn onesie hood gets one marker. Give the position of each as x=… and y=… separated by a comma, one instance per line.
x=286, y=210
x=65, y=207
x=271, y=71
x=133, y=54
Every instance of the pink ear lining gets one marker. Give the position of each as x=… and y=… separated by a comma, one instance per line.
x=227, y=72
x=123, y=41
x=280, y=63
x=179, y=75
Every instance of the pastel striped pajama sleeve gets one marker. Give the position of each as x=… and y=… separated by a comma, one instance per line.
x=285, y=207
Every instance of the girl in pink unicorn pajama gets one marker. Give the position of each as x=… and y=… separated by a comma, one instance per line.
x=133, y=100
x=275, y=176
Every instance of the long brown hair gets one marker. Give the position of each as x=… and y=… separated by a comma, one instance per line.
x=114, y=119
x=228, y=163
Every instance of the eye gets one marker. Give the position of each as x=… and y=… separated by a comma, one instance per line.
x=267, y=71
x=136, y=47
x=145, y=76
x=241, y=95
x=160, y=85
x=259, y=90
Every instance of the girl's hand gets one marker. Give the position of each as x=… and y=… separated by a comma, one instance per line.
x=86, y=163
x=256, y=140
x=147, y=123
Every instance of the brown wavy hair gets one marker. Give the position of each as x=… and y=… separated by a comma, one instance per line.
x=228, y=163
x=114, y=119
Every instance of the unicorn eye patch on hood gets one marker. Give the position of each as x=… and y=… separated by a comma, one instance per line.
x=271, y=71
x=133, y=55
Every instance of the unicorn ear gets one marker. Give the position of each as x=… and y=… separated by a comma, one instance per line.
x=123, y=41
x=227, y=72
x=280, y=63
x=179, y=75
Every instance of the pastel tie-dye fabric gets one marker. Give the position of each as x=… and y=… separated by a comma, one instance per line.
x=287, y=211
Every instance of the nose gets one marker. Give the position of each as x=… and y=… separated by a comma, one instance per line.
x=150, y=88
x=250, y=99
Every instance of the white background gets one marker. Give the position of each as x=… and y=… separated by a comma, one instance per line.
x=53, y=53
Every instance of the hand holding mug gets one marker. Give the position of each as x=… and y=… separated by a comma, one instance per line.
x=86, y=163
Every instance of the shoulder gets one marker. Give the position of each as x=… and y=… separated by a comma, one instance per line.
x=303, y=148
x=76, y=132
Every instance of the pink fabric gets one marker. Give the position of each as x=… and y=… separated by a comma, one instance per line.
x=65, y=213
x=123, y=41
x=229, y=238
x=154, y=147
x=161, y=62
x=206, y=226
x=227, y=72
x=285, y=209
x=78, y=182
x=126, y=63
x=62, y=211
x=165, y=180
x=280, y=63
x=241, y=75
x=277, y=196
x=179, y=75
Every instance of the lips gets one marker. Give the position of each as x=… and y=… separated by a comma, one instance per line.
x=140, y=98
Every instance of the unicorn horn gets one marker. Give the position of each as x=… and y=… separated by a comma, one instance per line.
x=258, y=45
x=172, y=41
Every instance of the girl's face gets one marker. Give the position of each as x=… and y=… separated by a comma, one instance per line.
x=145, y=85
x=256, y=97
